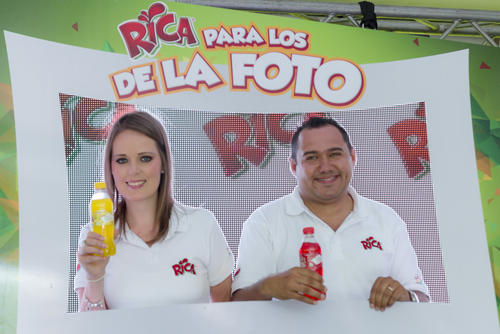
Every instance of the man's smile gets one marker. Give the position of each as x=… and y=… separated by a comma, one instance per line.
x=327, y=179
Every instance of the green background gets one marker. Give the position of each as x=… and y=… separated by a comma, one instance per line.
x=93, y=24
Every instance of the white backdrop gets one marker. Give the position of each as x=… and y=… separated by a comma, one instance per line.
x=440, y=81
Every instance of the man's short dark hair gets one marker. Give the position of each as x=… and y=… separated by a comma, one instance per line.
x=315, y=123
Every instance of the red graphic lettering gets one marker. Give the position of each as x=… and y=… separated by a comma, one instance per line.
x=367, y=244
x=235, y=137
x=185, y=32
x=315, y=114
x=133, y=34
x=162, y=24
x=83, y=110
x=178, y=269
x=190, y=268
x=259, y=123
x=69, y=142
x=410, y=138
x=150, y=30
x=420, y=111
x=182, y=267
x=154, y=10
x=275, y=128
x=77, y=118
x=371, y=242
x=230, y=136
x=376, y=244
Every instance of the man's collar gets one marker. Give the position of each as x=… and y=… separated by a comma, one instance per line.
x=295, y=206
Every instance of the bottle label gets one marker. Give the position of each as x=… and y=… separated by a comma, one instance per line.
x=312, y=261
x=103, y=222
x=315, y=260
x=102, y=218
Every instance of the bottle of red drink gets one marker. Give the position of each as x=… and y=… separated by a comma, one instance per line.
x=310, y=254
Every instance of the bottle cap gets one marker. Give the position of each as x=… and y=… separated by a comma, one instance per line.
x=100, y=185
x=308, y=230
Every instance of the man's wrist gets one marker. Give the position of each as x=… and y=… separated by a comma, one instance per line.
x=263, y=288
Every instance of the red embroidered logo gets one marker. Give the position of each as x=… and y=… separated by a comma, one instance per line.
x=182, y=267
x=371, y=242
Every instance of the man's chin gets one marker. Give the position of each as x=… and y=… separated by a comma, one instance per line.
x=328, y=198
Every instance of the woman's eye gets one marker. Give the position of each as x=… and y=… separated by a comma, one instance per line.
x=121, y=160
x=146, y=158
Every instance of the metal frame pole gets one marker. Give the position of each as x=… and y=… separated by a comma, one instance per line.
x=325, y=8
x=352, y=20
x=450, y=29
x=485, y=35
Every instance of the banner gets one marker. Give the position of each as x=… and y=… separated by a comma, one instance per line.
x=230, y=88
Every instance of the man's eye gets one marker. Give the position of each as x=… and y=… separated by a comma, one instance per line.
x=311, y=157
x=334, y=154
x=121, y=161
x=146, y=158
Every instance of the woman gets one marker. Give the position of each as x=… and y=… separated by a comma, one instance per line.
x=165, y=252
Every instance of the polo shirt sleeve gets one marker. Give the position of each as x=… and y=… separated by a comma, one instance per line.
x=81, y=277
x=405, y=267
x=221, y=260
x=255, y=252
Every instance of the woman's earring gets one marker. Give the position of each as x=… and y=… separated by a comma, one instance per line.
x=163, y=172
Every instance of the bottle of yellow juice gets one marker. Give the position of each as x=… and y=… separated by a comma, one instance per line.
x=101, y=210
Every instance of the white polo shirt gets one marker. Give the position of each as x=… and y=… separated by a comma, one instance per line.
x=272, y=236
x=180, y=269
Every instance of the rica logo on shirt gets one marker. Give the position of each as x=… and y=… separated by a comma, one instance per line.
x=371, y=242
x=182, y=267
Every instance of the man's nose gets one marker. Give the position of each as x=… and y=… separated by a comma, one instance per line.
x=324, y=164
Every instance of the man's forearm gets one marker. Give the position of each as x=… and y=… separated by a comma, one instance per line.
x=252, y=292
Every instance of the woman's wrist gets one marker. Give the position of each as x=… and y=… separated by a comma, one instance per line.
x=96, y=278
x=93, y=306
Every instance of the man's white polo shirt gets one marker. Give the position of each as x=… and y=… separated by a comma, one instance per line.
x=179, y=269
x=371, y=242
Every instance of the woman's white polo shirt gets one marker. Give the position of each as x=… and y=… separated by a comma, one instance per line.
x=179, y=269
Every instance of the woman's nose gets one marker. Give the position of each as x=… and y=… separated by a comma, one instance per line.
x=133, y=168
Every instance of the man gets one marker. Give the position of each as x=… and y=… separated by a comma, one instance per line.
x=366, y=251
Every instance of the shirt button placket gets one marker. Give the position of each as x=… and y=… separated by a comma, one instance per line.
x=336, y=247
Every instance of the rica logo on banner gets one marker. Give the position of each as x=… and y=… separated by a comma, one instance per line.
x=150, y=30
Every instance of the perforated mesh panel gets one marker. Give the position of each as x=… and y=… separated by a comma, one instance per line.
x=233, y=163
